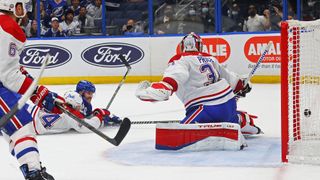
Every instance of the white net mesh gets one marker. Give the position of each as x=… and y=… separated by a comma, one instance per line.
x=304, y=91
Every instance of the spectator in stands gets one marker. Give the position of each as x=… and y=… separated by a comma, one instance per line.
x=132, y=28
x=75, y=6
x=69, y=25
x=207, y=17
x=57, y=8
x=32, y=29
x=55, y=30
x=166, y=24
x=84, y=19
x=256, y=22
x=234, y=13
x=95, y=10
x=45, y=18
x=192, y=22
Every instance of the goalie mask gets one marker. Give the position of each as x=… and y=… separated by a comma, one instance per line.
x=191, y=43
x=18, y=7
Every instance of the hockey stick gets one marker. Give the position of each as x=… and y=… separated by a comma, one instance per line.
x=252, y=72
x=24, y=98
x=125, y=62
x=155, y=122
x=121, y=134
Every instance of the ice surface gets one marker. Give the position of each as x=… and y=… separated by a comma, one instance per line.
x=75, y=156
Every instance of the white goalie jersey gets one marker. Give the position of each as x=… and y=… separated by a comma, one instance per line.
x=201, y=79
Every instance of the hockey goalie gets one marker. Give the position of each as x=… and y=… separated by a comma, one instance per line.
x=208, y=92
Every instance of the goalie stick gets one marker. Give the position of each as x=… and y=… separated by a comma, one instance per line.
x=121, y=134
x=155, y=122
x=24, y=98
x=252, y=72
x=125, y=62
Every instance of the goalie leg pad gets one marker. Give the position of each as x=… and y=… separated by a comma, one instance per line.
x=212, y=113
x=199, y=137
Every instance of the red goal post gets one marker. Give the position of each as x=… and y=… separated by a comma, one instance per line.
x=300, y=91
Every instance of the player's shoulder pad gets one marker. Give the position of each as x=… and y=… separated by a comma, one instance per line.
x=11, y=27
x=175, y=58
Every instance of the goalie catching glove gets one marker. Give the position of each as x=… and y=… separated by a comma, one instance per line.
x=158, y=91
x=242, y=89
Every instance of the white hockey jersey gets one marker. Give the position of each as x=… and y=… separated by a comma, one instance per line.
x=12, y=40
x=200, y=79
x=47, y=123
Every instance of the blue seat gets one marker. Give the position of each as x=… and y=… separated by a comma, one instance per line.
x=142, y=6
x=127, y=6
x=114, y=14
x=135, y=15
x=119, y=21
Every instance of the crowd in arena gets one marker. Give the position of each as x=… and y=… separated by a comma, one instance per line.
x=62, y=18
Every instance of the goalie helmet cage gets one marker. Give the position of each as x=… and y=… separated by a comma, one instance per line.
x=300, y=91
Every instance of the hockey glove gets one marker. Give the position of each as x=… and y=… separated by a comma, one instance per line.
x=101, y=113
x=25, y=72
x=242, y=89
x=158, y=91
x=46, y=99
x=112, y=120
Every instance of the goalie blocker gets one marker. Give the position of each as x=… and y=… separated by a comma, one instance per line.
x=199, y=137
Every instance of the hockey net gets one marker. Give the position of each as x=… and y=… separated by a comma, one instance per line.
x=300, y=91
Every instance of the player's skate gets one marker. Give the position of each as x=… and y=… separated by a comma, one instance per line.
x=247, y=124
x=36, y=174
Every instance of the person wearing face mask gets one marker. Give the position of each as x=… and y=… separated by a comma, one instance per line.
x=256, y=22
x=166, y=24
x=236, y=17
x=207, y=17
x=192, y=22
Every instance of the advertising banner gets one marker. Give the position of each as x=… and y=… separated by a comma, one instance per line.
x=148, y=56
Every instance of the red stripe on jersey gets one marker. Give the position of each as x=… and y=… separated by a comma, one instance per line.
x=211, y=95
x=175, y=58
x=195, y=114
x=25, y=139
x=25, y=85
x=178, y=56
x=34, y=119
x=11, y=27
x=6, y=109
x=172, y=82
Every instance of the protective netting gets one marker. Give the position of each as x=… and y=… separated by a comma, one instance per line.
x=304, y=92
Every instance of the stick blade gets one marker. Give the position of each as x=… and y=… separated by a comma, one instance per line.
x=123, y=131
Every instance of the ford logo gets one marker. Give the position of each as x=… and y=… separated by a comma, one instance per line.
x=107, y=54
x=34, y=55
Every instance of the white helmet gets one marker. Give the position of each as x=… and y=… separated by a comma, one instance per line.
x=10, y=5
x=191, y=42
x=73, y=98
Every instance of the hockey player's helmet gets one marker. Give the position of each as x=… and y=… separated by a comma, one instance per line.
x=191, y=42
x=73, y=98
x=84, y=85
x=10, y=6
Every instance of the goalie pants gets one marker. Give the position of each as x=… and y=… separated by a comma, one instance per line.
x=19, y=131
x=226, y=112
